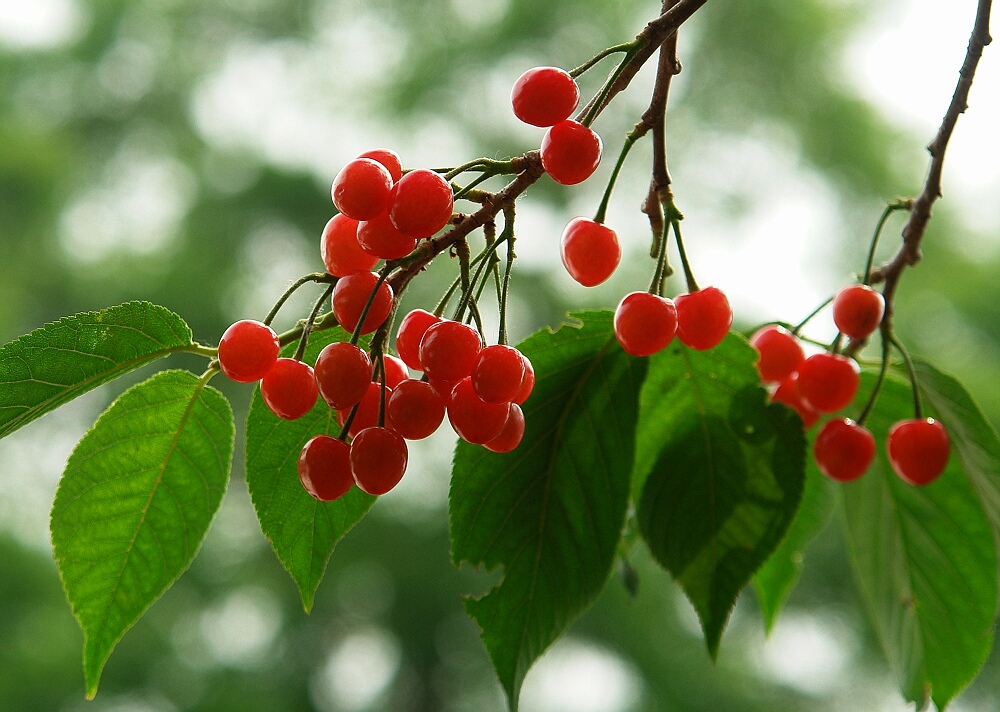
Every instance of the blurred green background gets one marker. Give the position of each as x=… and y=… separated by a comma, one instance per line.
x=181, y=151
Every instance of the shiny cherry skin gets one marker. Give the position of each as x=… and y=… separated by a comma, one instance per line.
x=395, y=371
x=448, y=351
x=415, y=409
x=248, y=350
x=378, y=460
x=844, y=450
x=289, y=389
x=645, y=323
x=703, y=318
x=544, y=96
x=918, y=450
x=590, y=251
x=361, y=189
x=342, y=254
x=527, y=383
x=498, y=373
x=828, y=382
x=475, y=420
x=350, y=296
x=858, y=310
x=570, y=152
x=367, y=414
x=379, y=237
x=325, y=468
x=343, y=373
x=787, y=393
x=512, y=433
x=388, y=158
x=421, y=203
x=411, y=331
x=780, y=353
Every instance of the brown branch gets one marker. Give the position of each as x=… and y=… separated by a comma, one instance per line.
x=909, y=254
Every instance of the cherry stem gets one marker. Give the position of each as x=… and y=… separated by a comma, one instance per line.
x=597, y=103
x=623, y=47
x=602, y=210
x=508, y=233
x=798, y=327
x=314, y=277
x=659, y=274
x=383, y=275
x=463, y=192
x=883, y=369
x=899, y=204
x=348, y=422
x=485, y=164
x=918, y=410
x=380, y=372
x=688, y=274
x=308, y=327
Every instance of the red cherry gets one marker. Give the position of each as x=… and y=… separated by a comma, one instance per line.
x=289, y=388
x=703, y=318
x=350, y=296
x=645, y=323
x=918, y=450
x=780, y=352
x=389, y=159
x=527, y=383
x=248, y=350
x=475, y=420
x=342, y=254
x=379, y=237
x=411, y=331
x=444, y=389
x=498, y=373
x=343, y=372
x=571, y=152
x=325, y=468
x=513, y=430
x=590, y=251
x=378, y=460
x=857, y=310
x=829, y=382
x=361, y=189
x=367, y=415
x=788, y=393
x=421, y=203
x=544, y=96
x=395, y=371
x=448, y=351
x=415, y=409
x=844, y=450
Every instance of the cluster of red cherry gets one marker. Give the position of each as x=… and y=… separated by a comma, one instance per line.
x=826, y=382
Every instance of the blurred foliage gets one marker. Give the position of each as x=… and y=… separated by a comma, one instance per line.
x=113, y=109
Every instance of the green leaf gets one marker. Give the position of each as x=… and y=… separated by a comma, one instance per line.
x=136, y=501
x=551, y=511
x=302, y=531
x=775, y=580
x=720, y=471
x=56, y=363
x=971, y=434
x=925, y=561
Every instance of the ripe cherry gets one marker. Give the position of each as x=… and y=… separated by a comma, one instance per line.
x=828, y=382
x=389, y=159
x=544, y=96
x=780, y=352
x=411, y=331
x=844, y=450
x=475, y=420
x=918, y=450
x=703, y=318
x=339, y=246
x=325, y=468
x=395, y=371
x=421, y=203
x=571, y=152
x=527, y=383
x=350, y=296
x=415, y=409
x=367, y=414
x=590, y=251
x=498, y=373
x=343, y=373
x=379, y=237
x=858, y=310
x=289, y=388
x=513, y=430
x=645, y=323
x=361, y=189
x=787, y=392
x=248, y=350
x=378, y=460
x=448, y=351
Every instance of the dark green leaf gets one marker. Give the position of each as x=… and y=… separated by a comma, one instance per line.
x=303, y=531
x=56, y=363
x=925, y=560
x=136, y=501
x=720, y=472
x=551, y=511
x=779, y=574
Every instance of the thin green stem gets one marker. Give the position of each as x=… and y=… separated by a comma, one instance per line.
x=688, y=274
x=602, y=209
x=889, y=210
x=314, y=277
x=918, y=410
x=598, y=101
x=883, y=368
x=308, y=327
x=348, y=422
x=383, y=275
x=656, y=285
x=380, y=370
x=798, y=327
x=508, y=233
x=482, y=178
x=623, y=47
x=201, y=350
x=486, y=164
